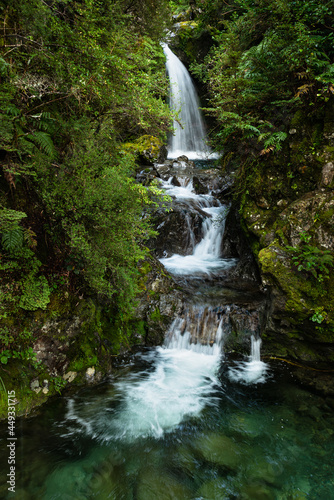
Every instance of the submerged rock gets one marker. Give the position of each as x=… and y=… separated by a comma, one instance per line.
x=214, y=489
x=220, y=450
x=257, y=491
x=153, y=485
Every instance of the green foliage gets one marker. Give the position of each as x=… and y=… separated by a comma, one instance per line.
x=35, y=293
x=9, y=219
x=12, y=241
x=67, y=106
x=58, y=383
x=319, y=315
x=17, y=347
x=267, y=60
x=311, y=259
x=43, y=141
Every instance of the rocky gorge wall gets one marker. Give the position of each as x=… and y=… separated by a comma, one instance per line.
x=79, y=339
x=287, y=213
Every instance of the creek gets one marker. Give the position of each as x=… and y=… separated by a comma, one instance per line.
x=184, y=420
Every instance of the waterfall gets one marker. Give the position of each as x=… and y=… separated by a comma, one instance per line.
x=255, y=348
x=252, y=371
x=204, y=258
x=189, y=138
x=200, y=330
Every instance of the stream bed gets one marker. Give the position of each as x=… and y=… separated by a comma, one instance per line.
x=173, y=425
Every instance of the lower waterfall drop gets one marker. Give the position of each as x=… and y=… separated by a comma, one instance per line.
x=254, y=370
x=180, y=382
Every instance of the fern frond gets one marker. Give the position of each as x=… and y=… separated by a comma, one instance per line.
x=9, y=219
x=275, y=140
x=30, y=238
x=43, y=141
x=264, y=136
x=304, y=89
x=12, y=240
x=12, y=110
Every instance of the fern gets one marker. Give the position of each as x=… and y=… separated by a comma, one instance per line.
x=12, y=110
x=45, y=122
x=9, y=219
x=275, y=140
x=3, y=67
x=12, y=241
x=43, y=141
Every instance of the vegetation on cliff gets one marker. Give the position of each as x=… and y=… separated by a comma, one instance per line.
x=80, y=81
x=269, y=72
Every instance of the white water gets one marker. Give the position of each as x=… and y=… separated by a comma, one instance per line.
x=254, y=370
x=182, y=378
x=189, y=138
x=181, y=384
x=205, y=257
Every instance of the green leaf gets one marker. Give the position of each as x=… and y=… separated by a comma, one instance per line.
x=13, y=240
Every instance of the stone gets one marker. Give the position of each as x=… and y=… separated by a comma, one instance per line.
x=257, y=491
x=34, y=384
x=70, y=376
x=263, y=471
x=215, y=489
x=90, y=373
x=327, y=174
x=220, y=450
x=153, y=486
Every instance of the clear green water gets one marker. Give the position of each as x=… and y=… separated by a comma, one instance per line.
x=265, y=441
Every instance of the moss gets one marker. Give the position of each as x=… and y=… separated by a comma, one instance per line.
x=146, y=145
x=298, y=119
x=156, y=315
x=303, y=295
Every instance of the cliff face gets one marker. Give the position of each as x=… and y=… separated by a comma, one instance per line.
x=288, y=216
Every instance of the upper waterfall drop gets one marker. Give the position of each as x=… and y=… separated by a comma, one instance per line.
x=189, y=138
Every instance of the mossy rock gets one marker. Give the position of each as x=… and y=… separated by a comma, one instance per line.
x=148, y=148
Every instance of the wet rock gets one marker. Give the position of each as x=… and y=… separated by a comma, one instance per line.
x=175, y=181
x=220, y=450
x=34, y=384
x=199, y=187
x=215, y=489
x=164, y=171
x=70, y=376
x=185, y=459
x=160, y=301
x=178, y=231
x=263, y=471
x=90, y=374
x=153, y=486
x=236, y=245
x=257, y=491
x=51, y=352
x=327, y=174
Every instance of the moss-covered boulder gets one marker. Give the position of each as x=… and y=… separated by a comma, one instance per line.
x=147, y=148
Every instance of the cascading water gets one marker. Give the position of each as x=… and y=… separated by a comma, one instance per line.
x=253, y=370
x=205, y=256
x=189, y=137
x=184, y=371
x=138, y=435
